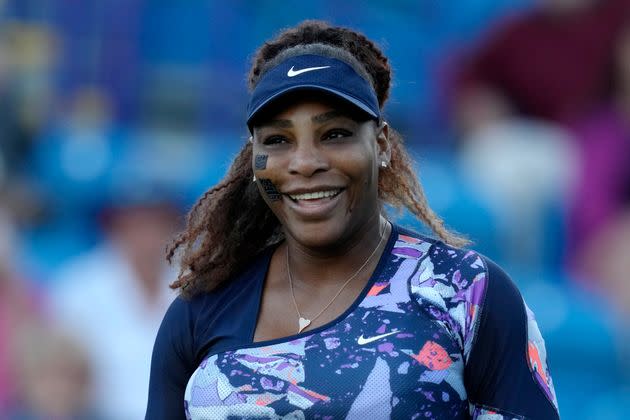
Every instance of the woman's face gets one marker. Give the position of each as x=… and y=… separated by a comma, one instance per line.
x=317, y=169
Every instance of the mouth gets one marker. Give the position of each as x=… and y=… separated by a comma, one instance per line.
x=315, y=195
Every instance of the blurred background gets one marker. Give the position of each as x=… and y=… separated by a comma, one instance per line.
x=116, y=115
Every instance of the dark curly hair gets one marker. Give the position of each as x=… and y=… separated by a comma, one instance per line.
x=231, y=223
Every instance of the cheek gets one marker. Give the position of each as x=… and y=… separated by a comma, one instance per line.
x=361, y=167
x=363, y=173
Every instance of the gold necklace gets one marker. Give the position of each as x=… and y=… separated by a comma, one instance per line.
x=305, y=322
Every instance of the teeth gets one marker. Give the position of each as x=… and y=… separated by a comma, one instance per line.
x=314, y=195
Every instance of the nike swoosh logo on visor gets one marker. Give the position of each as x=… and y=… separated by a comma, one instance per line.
x=293, y=73
x=362, y=340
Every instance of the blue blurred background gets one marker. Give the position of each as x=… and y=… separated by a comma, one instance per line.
x=116, y=115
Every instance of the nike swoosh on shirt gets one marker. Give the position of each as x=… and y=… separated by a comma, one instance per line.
x=293, y=73
x=362, y=340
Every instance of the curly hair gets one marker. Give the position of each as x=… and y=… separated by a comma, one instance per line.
x=231, y=223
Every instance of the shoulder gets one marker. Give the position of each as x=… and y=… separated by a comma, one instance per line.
x=450, y=285
x=457, y=269
x=438, y=250
x=509, y=353
x=188, y=328
x=207, y=315
x=480, y=306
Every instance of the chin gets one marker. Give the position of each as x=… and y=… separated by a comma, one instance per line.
x=325, y=234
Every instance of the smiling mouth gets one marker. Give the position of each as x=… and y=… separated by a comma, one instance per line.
x=315, y=195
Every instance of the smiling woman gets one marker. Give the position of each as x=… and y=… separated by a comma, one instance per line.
x=299, y=299
x=325, y=165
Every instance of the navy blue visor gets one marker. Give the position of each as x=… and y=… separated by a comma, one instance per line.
x=313, y=72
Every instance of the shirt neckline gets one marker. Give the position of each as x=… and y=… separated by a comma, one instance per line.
x=376, y=274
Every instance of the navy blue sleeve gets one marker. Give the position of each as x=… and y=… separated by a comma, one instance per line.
x=191, y=329
x=507, y=371
x=172, y=363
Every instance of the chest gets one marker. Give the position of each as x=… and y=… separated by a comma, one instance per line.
x=374, y=363
x=397, y=352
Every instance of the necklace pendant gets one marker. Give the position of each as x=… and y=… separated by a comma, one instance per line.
x=303, y=324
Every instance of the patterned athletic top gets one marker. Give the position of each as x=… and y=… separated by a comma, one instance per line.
x=437, y=333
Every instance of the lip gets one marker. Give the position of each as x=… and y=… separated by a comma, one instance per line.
x=305, y=190
x=313, y=209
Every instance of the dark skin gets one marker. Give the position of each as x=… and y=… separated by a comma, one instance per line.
x=325, y=164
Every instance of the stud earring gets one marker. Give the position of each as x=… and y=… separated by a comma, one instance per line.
x=383, y=164
x=254, y=178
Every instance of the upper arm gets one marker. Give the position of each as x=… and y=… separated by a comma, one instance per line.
x=507, y=370
x=171, y=364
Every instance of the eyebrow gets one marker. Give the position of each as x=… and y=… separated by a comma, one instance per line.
x=274, y=124
x=319, y=119
x=327, y=116
x=277, y=124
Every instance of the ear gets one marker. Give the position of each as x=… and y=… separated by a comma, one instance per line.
x=383, y=143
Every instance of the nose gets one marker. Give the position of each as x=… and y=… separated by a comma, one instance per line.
x=307, y=159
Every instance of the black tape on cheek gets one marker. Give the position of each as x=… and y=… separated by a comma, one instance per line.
x=270, y=189
x=260, y=162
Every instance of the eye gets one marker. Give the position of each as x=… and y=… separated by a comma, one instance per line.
x=336, y=133
x=275, y=139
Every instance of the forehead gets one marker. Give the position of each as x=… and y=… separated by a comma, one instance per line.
x=309, y=104
x=308, y=109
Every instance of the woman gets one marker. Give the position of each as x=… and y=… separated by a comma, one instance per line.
x=300, y=300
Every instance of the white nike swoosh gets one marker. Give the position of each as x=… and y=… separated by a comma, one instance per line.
x=293, y=73
x=362, y=340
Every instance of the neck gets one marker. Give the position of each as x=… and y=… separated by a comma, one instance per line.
x=316, y=268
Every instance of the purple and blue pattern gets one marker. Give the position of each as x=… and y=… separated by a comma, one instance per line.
x=400, y=353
